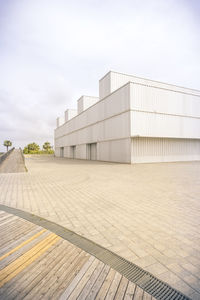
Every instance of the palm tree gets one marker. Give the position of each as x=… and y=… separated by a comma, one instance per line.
x=7, y=144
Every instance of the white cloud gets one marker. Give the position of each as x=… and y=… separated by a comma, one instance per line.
x=51, y=52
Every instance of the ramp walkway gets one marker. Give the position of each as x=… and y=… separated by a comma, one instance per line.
x=14, y=163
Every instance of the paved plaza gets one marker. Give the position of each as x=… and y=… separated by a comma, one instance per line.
x=147, y=213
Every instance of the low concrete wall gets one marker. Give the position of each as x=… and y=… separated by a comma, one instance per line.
x=3, y=157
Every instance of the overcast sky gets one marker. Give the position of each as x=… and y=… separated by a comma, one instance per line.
x=53, y=51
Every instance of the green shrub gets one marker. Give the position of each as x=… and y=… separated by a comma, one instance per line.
x=25, y=151
x=33, y=148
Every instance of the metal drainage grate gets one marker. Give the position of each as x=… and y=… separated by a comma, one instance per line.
x=148, y=282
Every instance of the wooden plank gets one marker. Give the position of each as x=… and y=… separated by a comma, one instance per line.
x=13, y=226
x=17, y=263
x=7, y=217
x=23, y=284
x=53, y=241
x=8, y=246
x=7, y=224
x=121, y=289
x=2, y=213
x=47, y=281
x=105, y=287
x=54, y=278
x=68, y=278
x=84, y=280
x=44, y=272
x=21, y=251
x=20, y=240
x=76, y=280
x=22, y=244
x=138, y=293
x=19, y=283
x=91, y=281
x=14, y=232
x=64, y=276
x=14, y=268
x=130, y=291
x=11, y=238
x=96, y=287
x=113, y=287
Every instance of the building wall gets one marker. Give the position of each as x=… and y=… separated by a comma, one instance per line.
x=81, y=151
x=57, y=151
x=115, y=151
x=145, y=150
x=106, y=123
x=159, y=112
x=105, y=120
x=66, y=151
x=140, y=121
x=117, y=127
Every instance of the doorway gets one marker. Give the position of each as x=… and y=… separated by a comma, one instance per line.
x=61, y=151
x=92, y=151
x=72, y=151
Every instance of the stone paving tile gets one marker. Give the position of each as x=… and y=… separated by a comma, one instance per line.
x=170, y=278
x=156, y=269
x=194, y=296
x=148, y=213
x=145, y=261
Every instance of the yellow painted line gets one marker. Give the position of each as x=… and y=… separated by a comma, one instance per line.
x=23, y=258
x=23, y=244
x=26, y=259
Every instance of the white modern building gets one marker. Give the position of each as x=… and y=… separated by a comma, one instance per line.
x=134, y=120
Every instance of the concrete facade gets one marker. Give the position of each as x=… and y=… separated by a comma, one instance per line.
x=134, y=120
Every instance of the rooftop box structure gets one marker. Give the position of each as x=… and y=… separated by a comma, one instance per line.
x=69, y=114
x=85, y=102
x=60, y=121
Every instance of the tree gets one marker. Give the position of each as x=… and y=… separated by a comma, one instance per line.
x=25, y=151
x=33, y=147
x=7, y=144
x=47, y=146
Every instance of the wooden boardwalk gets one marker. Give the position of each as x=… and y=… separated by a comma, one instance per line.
x=37, y=264
x=13, y=163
